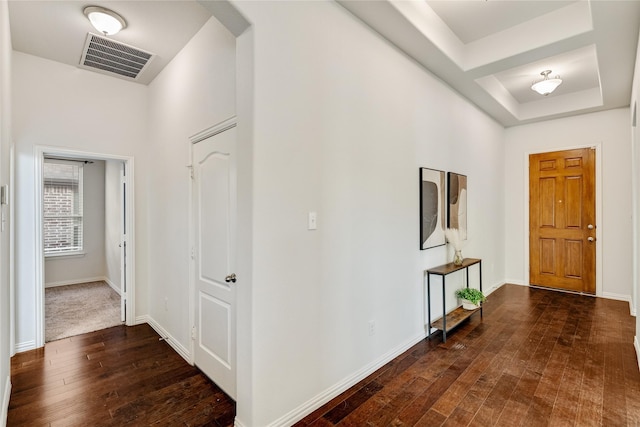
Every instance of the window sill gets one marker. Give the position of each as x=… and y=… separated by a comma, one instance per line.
x=64, y=255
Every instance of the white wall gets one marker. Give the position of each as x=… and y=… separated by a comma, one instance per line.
x=112, y=224
x=90, y=266
x=195, y=91
x=635, y=161
x=611, y=131
x=61, y=106
x=342, y=123
x=5, y=143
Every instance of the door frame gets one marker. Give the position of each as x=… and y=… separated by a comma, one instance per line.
x=598, y=199
x=194, y=139
x=129, y=215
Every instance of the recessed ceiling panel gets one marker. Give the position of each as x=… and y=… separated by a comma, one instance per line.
x=471, y=20
x=578, y=70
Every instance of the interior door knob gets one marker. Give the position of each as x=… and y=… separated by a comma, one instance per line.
x=590, y=226
x=591, y=239
x=230, y=278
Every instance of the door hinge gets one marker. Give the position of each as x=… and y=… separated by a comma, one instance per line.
x=193, y=332
x=193, y=253
x=191, y=171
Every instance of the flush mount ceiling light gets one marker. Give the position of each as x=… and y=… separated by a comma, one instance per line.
x=546, y=85
x=104, y=20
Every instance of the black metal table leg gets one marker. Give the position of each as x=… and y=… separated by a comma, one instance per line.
x=444, y=312
x=429, y=304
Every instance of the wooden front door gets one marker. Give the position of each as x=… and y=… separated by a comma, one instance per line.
x=562, y=249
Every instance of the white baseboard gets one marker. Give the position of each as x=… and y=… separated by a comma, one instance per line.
x=636, y=344
x=490, y=290
x=75, y=281
x=179, y=348
x=112, y=285
x=620, y=297
x=311, y=405
x=25, y=346
x=238, y=423
x=5, y=402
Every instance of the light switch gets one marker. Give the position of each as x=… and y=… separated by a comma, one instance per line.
x=313, y=221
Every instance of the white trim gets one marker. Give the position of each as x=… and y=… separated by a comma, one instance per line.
x=598, y=202
x=636, y=345
x=141, y=320
x=227, y=124
x=191, y=248
x=12, y=252
x=314, y=403
x=621, y=297
x=179, y=348
x=64, y=255
x=75, y=281
x=25, y=346
x=5, y=401
x=238, y=423
x=112, y=285
x=617, y=297
x=38, y=256
x=488, y=291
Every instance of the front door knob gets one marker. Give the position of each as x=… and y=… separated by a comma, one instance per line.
x=591, y=239
x=230, y=278
x=590, y=226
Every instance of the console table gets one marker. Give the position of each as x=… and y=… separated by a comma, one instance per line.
x=455, y=317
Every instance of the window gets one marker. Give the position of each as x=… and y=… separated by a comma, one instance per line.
x=62, y=207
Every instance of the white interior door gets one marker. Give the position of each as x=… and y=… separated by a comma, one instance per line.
x=214, y=167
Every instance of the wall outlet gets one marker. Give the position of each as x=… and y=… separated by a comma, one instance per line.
x=372, y=328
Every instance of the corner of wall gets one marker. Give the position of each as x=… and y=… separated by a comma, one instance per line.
x=314, y=403
x=166, y=336
x=5, y=402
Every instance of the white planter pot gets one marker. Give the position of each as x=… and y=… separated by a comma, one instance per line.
x=468, y=305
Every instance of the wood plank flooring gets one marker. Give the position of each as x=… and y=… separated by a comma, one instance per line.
x=114, y=377
x=537, y=358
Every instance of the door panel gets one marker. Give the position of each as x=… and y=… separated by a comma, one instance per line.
x=214, y=257
x=214, y=311
x=561, y=205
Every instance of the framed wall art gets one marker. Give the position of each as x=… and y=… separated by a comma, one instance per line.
x=457, y=205
x=432, y=209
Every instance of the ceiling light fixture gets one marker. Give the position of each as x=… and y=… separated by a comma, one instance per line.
x=546, y=85
x=104, y=20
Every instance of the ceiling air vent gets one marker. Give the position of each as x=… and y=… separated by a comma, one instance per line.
x=111, y=57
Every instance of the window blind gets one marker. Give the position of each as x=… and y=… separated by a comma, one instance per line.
x=62, y=207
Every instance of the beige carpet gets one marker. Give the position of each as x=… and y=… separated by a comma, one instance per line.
x=78, y=309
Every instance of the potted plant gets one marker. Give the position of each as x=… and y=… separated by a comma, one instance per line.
x=471, y=298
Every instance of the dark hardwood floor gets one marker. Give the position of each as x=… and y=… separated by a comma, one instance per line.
x=537, y=358
x=114, y=377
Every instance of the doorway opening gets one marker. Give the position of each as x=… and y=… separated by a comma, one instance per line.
x=84, y=242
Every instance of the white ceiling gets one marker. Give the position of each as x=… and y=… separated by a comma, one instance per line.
x=57, y=29
x=490, y=51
